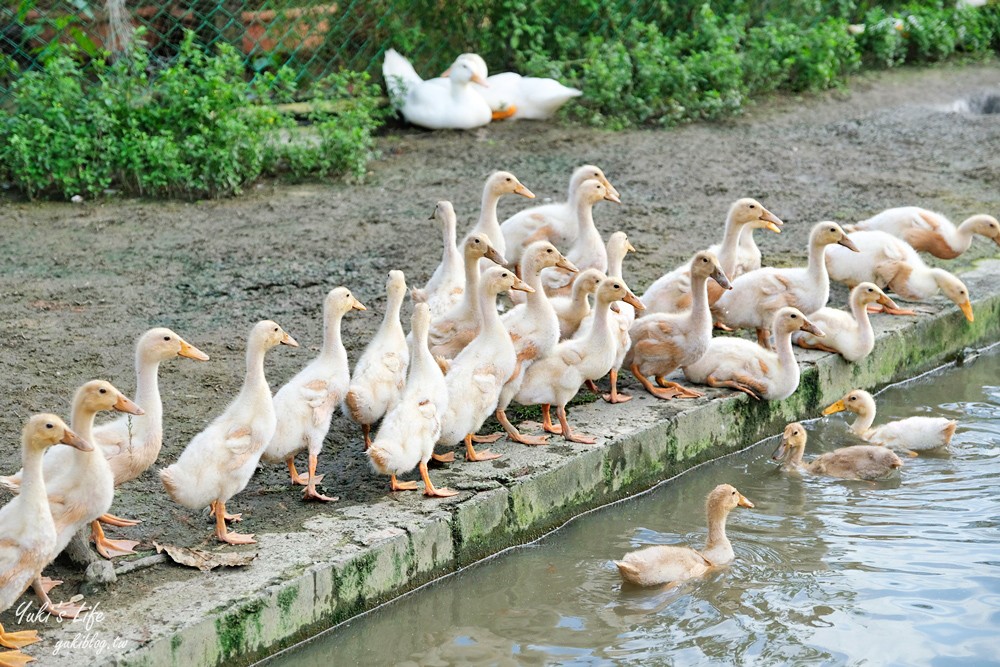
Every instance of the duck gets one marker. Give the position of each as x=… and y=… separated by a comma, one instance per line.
x=412, y=426
x=304, y=406
x=859, y=462
x=428, y=104
x=27, y=530
x=446, y=284
x=755, y=370
x=572, y=310
x=451, y=332
x=499, y=183
x=622, y=314
x=758, y=295
x=556, y=378
x=588, y=250
x=665, y=342
x=848, y=334
x=534, y=328
x=666, y=564
x=513, y=96
x=219, y=461
x=380, y=373
x=911, y=435
x=555, y=223
x=890, y=262
x=477, y=375
x=672, y=293
x=931, y=232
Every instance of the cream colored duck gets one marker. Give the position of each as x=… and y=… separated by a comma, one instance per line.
x=573, y=310
x=588, y=250
x=848, y=334
x=219, y=462
x=665, y=342
x=457, y=106
x=477, y=375
x=380, y=373
x=27, y=531
x=890, y=262
x=305, y=404
x=534, y=328
x=758, y=295
x=664, y=564
x=672, y=293
x=497, y=185
x=446, y=284
x=555, y=223
x=411, y=428
x=931, y=232
x=753, y=369
x=862, y=462
x=511, y=95
x=913, y=434
x=454, y=330
x=556, y=378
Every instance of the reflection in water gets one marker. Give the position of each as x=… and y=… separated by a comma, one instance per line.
x=826, y=571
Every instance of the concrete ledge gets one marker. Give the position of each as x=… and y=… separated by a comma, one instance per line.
x=346, y=561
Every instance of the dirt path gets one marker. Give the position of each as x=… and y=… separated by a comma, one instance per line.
x=81, y=282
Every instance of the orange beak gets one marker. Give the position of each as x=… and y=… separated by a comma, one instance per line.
x=480, y=80
x=848, y=243
x=123, y=404
x=191, y=352
x=73, y=440
x=632, y=300
x=744, y=502
x=289, y=341
x=967, y=311
x=524, y=192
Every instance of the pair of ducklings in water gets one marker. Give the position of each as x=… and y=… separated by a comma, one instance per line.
x=659, y=565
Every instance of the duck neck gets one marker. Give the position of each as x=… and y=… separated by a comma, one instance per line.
x=488, y=223
x=391, y=322
x=488, y=314
x=866, y=335
x=863, y=422
x=616, y=258
x=471, y=293
x=817, y=266
x=421, y=359
x=600, y=330
x=585, y=217
x=255, y=382
x=450, y=242
x=700, y=316
x=717, y=531
x=333, y=345
x=731, y=241
x=538, y=304
x=82, y=423
x=786, y=357
x=961, y=240
x=794, y=459
x=579, y=303
x=32, y=480
x=147, y=397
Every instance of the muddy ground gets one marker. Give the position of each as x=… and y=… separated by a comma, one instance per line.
x=81, y=282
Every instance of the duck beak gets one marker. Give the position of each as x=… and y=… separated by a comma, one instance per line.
x=612, y=196
x=614, y=191
x=564, y=263
x=773, y=221
x=446, y=72
x=357, y=305
x=836, y=407
x=719, y=276
x=629, y=247
x=480, y=80
x=633, y=300
x=494, y=256
x=289, y=341
x=744, y=502
x=887, y=302
x=191, y=352
x=809, y=327
x=123, y=404
x=522, y=286
x=967, y=310
x=73, y=440
x=433, y=214
x=848, y=243
x=524, y=192
x=779, y=453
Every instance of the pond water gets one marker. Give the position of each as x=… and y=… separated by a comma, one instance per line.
x=827, y=572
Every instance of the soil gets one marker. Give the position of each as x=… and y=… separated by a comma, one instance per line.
x=80, y=282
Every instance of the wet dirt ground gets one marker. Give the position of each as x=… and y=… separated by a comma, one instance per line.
x=81, y=282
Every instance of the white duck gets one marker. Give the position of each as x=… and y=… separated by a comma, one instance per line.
x=588, y=250
x=664, y=564
x=555, y=223
x=511, y=95
x=913, y=434
x=451, y=332
x=412, y=427
x=862, y=462
x=848, y=334
x=890, y=262
x=534, y=328
x=664, y=342
x=931, y=232
x=672, y=293
x=305, y=404
x=380, y=373
x=758, y=295
x=428, y=104
x=556, y=378
x=219, y=462
x=573, y=309
x=477, y=375
x=499, y=183
x=27, y=532
x=446, y=284
x=751, y=368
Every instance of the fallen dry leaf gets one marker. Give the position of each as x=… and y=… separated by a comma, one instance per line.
x=205, y=560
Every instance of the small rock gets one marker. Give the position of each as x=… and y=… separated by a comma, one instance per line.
x=76, y=199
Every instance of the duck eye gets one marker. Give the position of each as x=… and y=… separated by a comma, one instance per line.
x=794, y=317
x=704, y=260
x=549, y=251
x=476, y=240
x=276, y=329
x=166, y=338
x=752, y=206
x=49, y=426
x=103, y=391
x=852, y=398
x=508, y=180
x=618, y=286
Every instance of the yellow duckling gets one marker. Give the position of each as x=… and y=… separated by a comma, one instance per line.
x=864, y=462
x=573, y=310
x=913, y=434
x=848, y=334
x=664, y=564
x=27, y=532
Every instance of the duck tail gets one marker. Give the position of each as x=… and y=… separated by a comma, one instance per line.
x=399, y=76
x=181, y=487
x=353, y=406
x=627, y=571
x=381, y=459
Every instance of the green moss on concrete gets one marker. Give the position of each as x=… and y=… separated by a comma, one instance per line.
x=235, y=629
x=287, y=597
